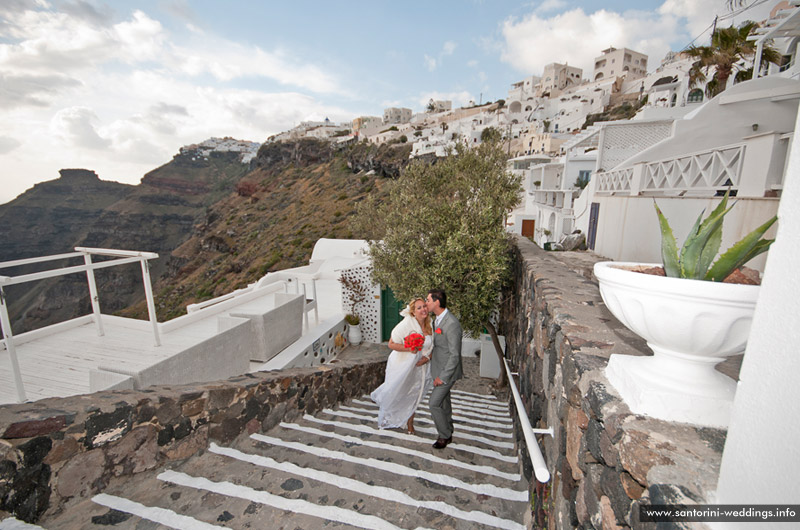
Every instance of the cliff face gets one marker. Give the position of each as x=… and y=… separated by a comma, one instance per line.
x=79, y=209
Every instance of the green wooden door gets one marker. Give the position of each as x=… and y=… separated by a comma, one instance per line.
x=390, y=312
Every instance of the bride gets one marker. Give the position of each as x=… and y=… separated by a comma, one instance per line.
x=407, y=372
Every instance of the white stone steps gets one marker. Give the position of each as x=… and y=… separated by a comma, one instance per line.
x=334, y=469
x=462, y=423
x=379, y=492
x=464, y=410
x=487, y=470
x=152, y=513
x=398, y=469
x=388, y=433
x=299, y=506
x=463, y=431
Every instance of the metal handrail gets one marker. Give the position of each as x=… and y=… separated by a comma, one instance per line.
x=539, y=465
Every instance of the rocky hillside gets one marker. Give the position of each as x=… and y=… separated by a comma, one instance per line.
x=298, y=193
x=216, y=223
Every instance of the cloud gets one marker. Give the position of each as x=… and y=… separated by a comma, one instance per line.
x=430, y=63
x=551, y=5
x=576, y=37
x=549, y=34
x=75, y=126
x=88, y=12
x=54, y=41
x=166, y=108
x=32, y=90
x=8, y=144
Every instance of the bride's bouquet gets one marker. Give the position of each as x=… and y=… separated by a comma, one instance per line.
x=415, y=341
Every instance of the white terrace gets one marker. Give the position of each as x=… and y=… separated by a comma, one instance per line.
x=288, y=318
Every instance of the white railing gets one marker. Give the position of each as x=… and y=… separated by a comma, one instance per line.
x=702, y=171
x=121, y=257
x=537, y=460
x=614, y=181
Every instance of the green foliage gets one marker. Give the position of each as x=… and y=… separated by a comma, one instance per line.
x=442, y=226
x=702, y=245
x=491, y=134
x=729, y=47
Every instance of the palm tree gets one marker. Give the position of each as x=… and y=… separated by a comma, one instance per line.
x=726, y=55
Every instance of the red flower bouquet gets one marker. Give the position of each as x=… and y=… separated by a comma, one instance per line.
x=414, y=341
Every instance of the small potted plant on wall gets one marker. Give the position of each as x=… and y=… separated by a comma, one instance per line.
x=354, y=292
x=693, y=314
x=354, y=330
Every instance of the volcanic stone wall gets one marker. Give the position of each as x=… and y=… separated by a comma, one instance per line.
x=64, y=450
x=603, y=459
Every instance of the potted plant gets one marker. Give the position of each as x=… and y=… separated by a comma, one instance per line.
x=692, y=313
x=354, y=293
x=354, y=330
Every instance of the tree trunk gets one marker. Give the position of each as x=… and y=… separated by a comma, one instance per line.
x=501, y=381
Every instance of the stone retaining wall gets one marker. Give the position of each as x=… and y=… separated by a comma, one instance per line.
x=58, y=451
x=604, y=460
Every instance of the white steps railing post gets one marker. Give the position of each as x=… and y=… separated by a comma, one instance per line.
x=87, y=258
x=12, y=352
x=151, y=305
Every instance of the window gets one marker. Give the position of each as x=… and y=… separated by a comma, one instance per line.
x=695, y=96
x=584, y=175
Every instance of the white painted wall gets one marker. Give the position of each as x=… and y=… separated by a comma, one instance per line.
x=628, y=226
x=761, y=461
x=715, y=124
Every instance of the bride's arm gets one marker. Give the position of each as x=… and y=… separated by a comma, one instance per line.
x=425, y=357
x=397, y=347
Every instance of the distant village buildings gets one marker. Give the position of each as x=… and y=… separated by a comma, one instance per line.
x=247, y=150
x=397, y=115
x=622, y=62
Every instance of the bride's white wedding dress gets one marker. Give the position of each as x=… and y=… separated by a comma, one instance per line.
x=405, y=383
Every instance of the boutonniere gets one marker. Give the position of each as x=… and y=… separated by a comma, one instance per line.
x=439, y=331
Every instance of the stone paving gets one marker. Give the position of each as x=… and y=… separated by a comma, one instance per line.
x=333, y=470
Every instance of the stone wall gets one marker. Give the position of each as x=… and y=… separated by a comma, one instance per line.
x=63, y=450
x=603, y=459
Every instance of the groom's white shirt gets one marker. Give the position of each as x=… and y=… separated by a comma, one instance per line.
x=439, y=318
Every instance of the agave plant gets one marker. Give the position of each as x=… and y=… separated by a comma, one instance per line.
x=702, y=245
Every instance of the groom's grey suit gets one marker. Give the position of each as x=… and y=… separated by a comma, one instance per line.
x=446, y=365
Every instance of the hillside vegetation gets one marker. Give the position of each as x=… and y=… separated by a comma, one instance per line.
x=298, y=193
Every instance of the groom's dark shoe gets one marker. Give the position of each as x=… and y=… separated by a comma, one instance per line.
x=441, y=443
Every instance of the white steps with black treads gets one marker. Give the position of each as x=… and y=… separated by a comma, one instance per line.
x=333, y=470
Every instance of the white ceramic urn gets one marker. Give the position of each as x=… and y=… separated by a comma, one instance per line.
x=691, y=326
x=354, y=334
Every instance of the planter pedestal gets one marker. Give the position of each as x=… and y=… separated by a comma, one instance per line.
x=667, y=387
x=691, y=326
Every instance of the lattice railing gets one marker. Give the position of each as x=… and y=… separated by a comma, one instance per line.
x=704, y=171
x=612, y=181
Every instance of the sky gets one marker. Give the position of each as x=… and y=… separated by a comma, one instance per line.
x=118, y=87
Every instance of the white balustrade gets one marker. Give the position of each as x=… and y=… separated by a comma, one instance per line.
x=120, y=257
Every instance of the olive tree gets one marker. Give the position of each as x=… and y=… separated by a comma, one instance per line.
x=442, y=226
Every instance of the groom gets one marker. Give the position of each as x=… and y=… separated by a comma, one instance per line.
x=445, y=364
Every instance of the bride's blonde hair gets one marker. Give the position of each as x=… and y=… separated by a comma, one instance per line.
x=427, y=325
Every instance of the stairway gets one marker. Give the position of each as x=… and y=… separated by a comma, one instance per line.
x=332, y=470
